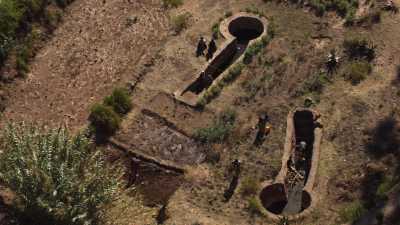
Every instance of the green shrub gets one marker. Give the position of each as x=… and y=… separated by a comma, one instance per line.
x=352, y=212
x=56, y=178
x=179, y=22
x=357, y=71
x=250, y=186
x=219, y=130
x=119, y=100
x=104, y=120
x=215, y=30
x=172, y=3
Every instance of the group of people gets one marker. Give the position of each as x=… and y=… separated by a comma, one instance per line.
x=202, y=46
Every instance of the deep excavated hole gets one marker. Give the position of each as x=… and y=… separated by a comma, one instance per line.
x=274, y=199
x=290, y=198
x=304, y=132
x=244, y=29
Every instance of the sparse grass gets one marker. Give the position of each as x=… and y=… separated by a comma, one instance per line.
x=119, y=100
x=372, y=17
x=316, y=84
x=215, y=27
x=254, y=206
x=352, y=212
x=359, y=47
x=384, y=187
x=255, y=49
x=253, y=86
x=357, y=71
x=172, y=3
x=250, y=186
x=180, y=22
x=254, y=10
x=219, y=130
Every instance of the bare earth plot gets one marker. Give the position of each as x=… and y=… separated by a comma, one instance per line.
x=94, y=50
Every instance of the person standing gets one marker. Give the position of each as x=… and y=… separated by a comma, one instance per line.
x=212, y=48
x=201, y=47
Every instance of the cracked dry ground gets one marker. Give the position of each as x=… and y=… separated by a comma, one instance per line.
x=93, y=51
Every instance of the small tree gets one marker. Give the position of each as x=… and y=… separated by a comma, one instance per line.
x=56, y=178
x=119, y=100
x=103, y=120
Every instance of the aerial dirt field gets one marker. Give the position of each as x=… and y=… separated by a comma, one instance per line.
x=101, y=45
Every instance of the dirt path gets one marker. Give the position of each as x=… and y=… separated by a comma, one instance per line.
x=99, y=46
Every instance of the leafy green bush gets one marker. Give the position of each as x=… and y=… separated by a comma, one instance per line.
x=56, y=178
x=352, y=212
x=119, y=100
x=172, y=3
x=357, y=71
x=250, y=186
x=179, y=22
x=219, y=130
x=104, y=120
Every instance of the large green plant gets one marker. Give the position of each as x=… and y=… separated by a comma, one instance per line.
x=57, y=178
x=119, y=100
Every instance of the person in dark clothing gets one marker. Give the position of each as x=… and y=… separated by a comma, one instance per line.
x=264, y=128
x=201, y=47
x=235, y=180
x=133, y=173
x=212, y=48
